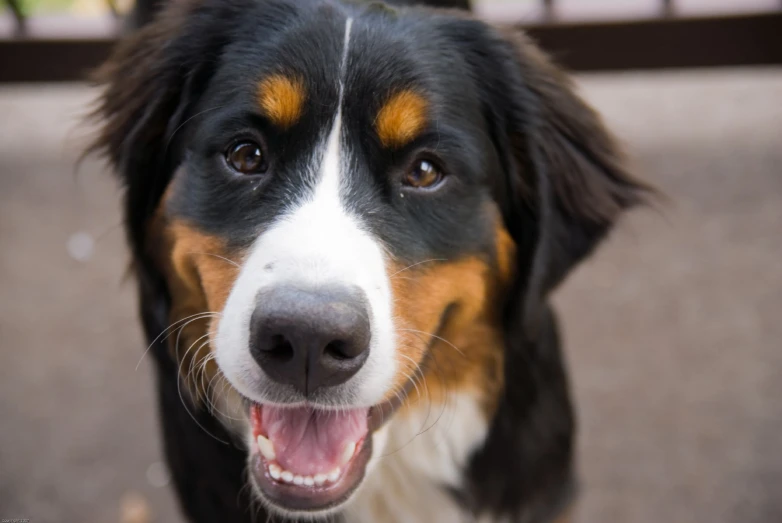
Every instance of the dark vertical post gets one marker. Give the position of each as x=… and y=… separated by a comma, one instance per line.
x=667, y=8
x=548, y=10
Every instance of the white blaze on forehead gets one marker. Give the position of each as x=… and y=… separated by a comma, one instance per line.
x=345, y=48
x=332, y=166
x=316, y=244
x=330, y=172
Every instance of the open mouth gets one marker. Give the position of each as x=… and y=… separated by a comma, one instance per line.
x=309, y=459
x=306, y=458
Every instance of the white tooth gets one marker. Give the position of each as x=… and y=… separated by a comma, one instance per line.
x=287, y=476
x=309, y=481
x=347, y=453
x=298, y=480
x=275, y=471
x=334, y=475
x=267, y=448
x=320, y=479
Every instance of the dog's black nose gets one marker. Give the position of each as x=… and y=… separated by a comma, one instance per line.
x=310, y=338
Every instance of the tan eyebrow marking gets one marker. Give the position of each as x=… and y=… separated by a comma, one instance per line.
x=282, y=99
x=401, y=118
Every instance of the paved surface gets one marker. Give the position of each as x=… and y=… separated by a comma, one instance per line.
x=674, y=329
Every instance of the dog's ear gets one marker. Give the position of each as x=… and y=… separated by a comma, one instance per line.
x=150, y=83
x=565, y=182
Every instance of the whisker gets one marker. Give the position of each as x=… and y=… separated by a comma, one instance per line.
x=202, y=371
x=182, y=399
x=199, y=368
x=437, y=337
x=420, y=375
x=418, y=263
x=217, y=256
x=179, y=389
x=416, y=369
x=439, y=373
x=164, y=331
x=213, y=406
x=192, y=360
x=208, y=386
x=445, y=402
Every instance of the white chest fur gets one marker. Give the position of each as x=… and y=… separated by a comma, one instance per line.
x=415, y=455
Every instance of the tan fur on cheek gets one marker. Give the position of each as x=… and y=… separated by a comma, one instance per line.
x=203, y=262
x=449, y=325
x=200, y=272
x=448, y=319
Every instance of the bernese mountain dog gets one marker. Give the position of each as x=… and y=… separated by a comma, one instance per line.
x=346, y=219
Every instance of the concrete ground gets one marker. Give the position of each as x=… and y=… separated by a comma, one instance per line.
x=673, y=330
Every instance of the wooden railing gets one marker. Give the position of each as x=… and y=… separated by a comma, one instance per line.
x=664, y=34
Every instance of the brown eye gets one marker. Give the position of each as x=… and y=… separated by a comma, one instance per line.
x=246, y=158
x=423, y=175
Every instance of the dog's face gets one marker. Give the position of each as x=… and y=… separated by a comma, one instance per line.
x=334, y=207
x=341, y=204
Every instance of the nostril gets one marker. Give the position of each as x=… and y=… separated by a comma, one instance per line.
x=338, y=350
x=280, y=348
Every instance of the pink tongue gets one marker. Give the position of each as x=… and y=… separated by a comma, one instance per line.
x=308, y=441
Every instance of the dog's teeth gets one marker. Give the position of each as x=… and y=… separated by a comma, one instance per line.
x=347, y=453
x=275, y=471
x=267, y=448
x=278, y=473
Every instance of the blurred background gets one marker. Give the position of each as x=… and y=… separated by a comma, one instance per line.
x=673, y=330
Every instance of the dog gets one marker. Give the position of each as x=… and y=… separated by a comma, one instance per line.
x=346, y=220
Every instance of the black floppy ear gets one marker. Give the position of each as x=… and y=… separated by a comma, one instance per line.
x=565, y=181
x=150, y=83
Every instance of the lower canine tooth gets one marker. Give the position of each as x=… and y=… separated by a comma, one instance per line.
x=347, y=453
x=287, y=476
x=266, y=447
x=334, y=475
x=320, y=479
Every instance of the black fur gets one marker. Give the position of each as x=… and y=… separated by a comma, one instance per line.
x=508, y=123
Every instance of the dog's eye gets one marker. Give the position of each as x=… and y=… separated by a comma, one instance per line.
x=246, y=158
x=423, y=174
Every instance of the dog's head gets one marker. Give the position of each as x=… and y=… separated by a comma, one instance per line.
x=337, y=203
